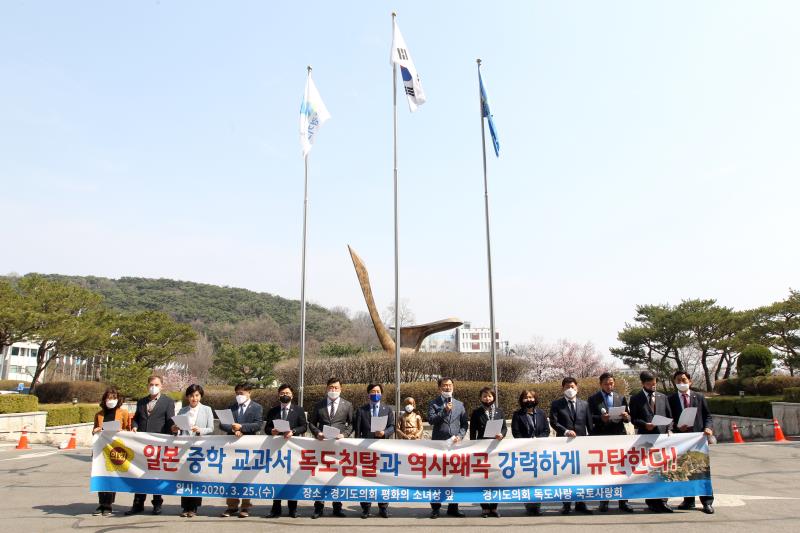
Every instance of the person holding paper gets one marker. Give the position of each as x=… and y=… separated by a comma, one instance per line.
x=530, y=422
x=200, y=421
x=601, y=406
x=570, y=417
x=293, y=417
x=644, y=406
x=111, y=410
x=365, y=428
x=337, y=413
x=448, y=419
x=247, y=416
x=488, y=414
x=683, y=400
x=410, y=426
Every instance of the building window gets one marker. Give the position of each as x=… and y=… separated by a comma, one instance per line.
x=15, y=350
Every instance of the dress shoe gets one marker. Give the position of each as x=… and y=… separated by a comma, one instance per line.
x=456, y=514
x=156, y=509
x=107, y=512
x=134, y=510
x=338, y=513
x=228, y=512
x=434, y=513
x=274, y=514
x=665, y=508
x=244, y=514
x=484, y=514
x=292, y=514
x=185, y=514
x=533, y=511
x=708, y=508
x=98, y=511
x=603, y=508
x=383, y=512
x=192, y=514
x=494, y=514
x=365, y=515
x=687, y=506
x=316, y=515
x=625, y=507
x=581, y=508
x=566, y=510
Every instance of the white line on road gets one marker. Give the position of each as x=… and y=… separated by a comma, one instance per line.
x=30, y=455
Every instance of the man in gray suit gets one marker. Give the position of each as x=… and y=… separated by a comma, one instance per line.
x=449, y=420
x=331, y=411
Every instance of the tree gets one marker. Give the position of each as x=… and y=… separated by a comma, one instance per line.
x=17, y=320
x=707, y=323
x=755, y=360
x=253, y=363
x=577, y=360
x=339, y=349
x=406, y=314
x=778, y=326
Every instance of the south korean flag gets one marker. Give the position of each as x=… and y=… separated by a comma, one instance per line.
x=402, y=58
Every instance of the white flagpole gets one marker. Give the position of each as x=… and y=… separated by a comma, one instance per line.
x=301, y=385
x=396, y=243
x=488, y=240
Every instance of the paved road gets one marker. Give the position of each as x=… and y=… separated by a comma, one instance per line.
x=757, y=488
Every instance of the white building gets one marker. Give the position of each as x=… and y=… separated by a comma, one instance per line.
x=444, y=341
x=477, y=340
x=18, y=361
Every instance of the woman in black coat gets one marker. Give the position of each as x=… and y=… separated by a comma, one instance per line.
x=530, y=422
x=477, y=425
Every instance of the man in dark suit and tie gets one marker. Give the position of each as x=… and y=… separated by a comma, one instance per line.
x=644, y=406
x=600, y=404
x=331, y=411
x=570, y=417
x=702, y=423
x=296, y=417
x=153, y=414
x=248, y=417
x=363, y=430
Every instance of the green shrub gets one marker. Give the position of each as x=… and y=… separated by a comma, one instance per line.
x=11, y=384
x=791, y=394
x=750, y=406
x=18, y=403
x=87, y=412
x=62, y=414
x=65, y=391
x=754, y=360
x=761, y=385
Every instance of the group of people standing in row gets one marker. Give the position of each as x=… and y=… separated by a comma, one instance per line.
x=447, y=416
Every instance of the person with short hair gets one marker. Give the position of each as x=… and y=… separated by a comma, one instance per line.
x=201, y=421
x=448, y=419
x=488, y=410
x=530, y=422
x=248, y=417
x=111, y=409
x=285, y=410
x=362, y=429
x=410, y=426
x=153, y=414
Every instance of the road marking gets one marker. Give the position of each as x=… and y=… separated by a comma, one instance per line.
x=738, y=500
x=31, y=455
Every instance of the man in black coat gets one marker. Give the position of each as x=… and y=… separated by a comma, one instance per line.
x=336, y=412
x=702, y=423
x=363, y=430
x=570, y=417
x=296, y=417
x=644, y=406
x=153, y=414
x=600, y=404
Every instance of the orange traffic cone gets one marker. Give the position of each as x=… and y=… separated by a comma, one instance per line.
x=71, y=444
x=23, y=440
x=779, y=437
x=737, y=437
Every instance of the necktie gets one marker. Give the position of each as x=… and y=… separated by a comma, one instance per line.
x=375, y=410
x=652, y=401
x=333, y=410
x=283, y=413
x=241, y=411
x=572, y=409
x=685, y=400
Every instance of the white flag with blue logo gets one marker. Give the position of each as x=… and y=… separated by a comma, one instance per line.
x=488, y=114
x=402, y=58
x=313, y=115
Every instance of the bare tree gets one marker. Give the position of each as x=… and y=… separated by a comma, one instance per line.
x=199, y=363
x=406, y=314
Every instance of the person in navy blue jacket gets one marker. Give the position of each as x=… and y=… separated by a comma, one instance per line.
x=362, y=427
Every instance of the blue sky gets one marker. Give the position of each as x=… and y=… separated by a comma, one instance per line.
x=649, y=152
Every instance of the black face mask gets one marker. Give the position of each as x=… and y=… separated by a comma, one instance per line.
x=488, y=404
x=530, y=404
x=285, y=399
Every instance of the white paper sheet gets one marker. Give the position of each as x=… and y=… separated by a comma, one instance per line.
x=493, y=427
x=659, y=420
x=112, y=425
x=182, y=421
x=330, y=432
x=378, y=423
x=225, y=416
x=687, y=417
x=282, y=425
x=616, y=413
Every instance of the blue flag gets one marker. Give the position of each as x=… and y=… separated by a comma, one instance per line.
x=488, y=114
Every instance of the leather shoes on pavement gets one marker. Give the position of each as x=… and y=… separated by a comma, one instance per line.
x=708, y=508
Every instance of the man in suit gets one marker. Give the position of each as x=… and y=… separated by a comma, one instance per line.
x=331, y=411
x=363, y=430
x=643, y=407
x=296, y=417
x=154, y=414
x=448, y=419
x=702, y=422
x=600, y=404
x=248, y=417
x=570, y=417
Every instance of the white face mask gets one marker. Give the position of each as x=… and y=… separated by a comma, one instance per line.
x=241, y=398
x=447, y=394
x=570, y=393
x=111, y=404
x=683, y=387
x=154, y=390
x=333, y=394
x=409, y=408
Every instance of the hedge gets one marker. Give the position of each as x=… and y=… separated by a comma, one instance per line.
x=762, y=385
x=65, y=414
x=18, y=403
x=750, y=406
x=12, y=384
x=791, y=394
x=65, y=391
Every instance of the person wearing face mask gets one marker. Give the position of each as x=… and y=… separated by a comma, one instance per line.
x=336, y=412
x=529, y=422
x=477, y=426
x=600, y=404
x=248, y=417
x=110, y=410
x=362, y=429
x=296, y=417
x=410, y=426
x=570, y=417
x=702, y=423
x=644, y=406
x=154, y=414
x=448, y=419
x=201, y=421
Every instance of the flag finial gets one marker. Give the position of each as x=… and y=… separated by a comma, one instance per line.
x=478, y=61
x=309, y=68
